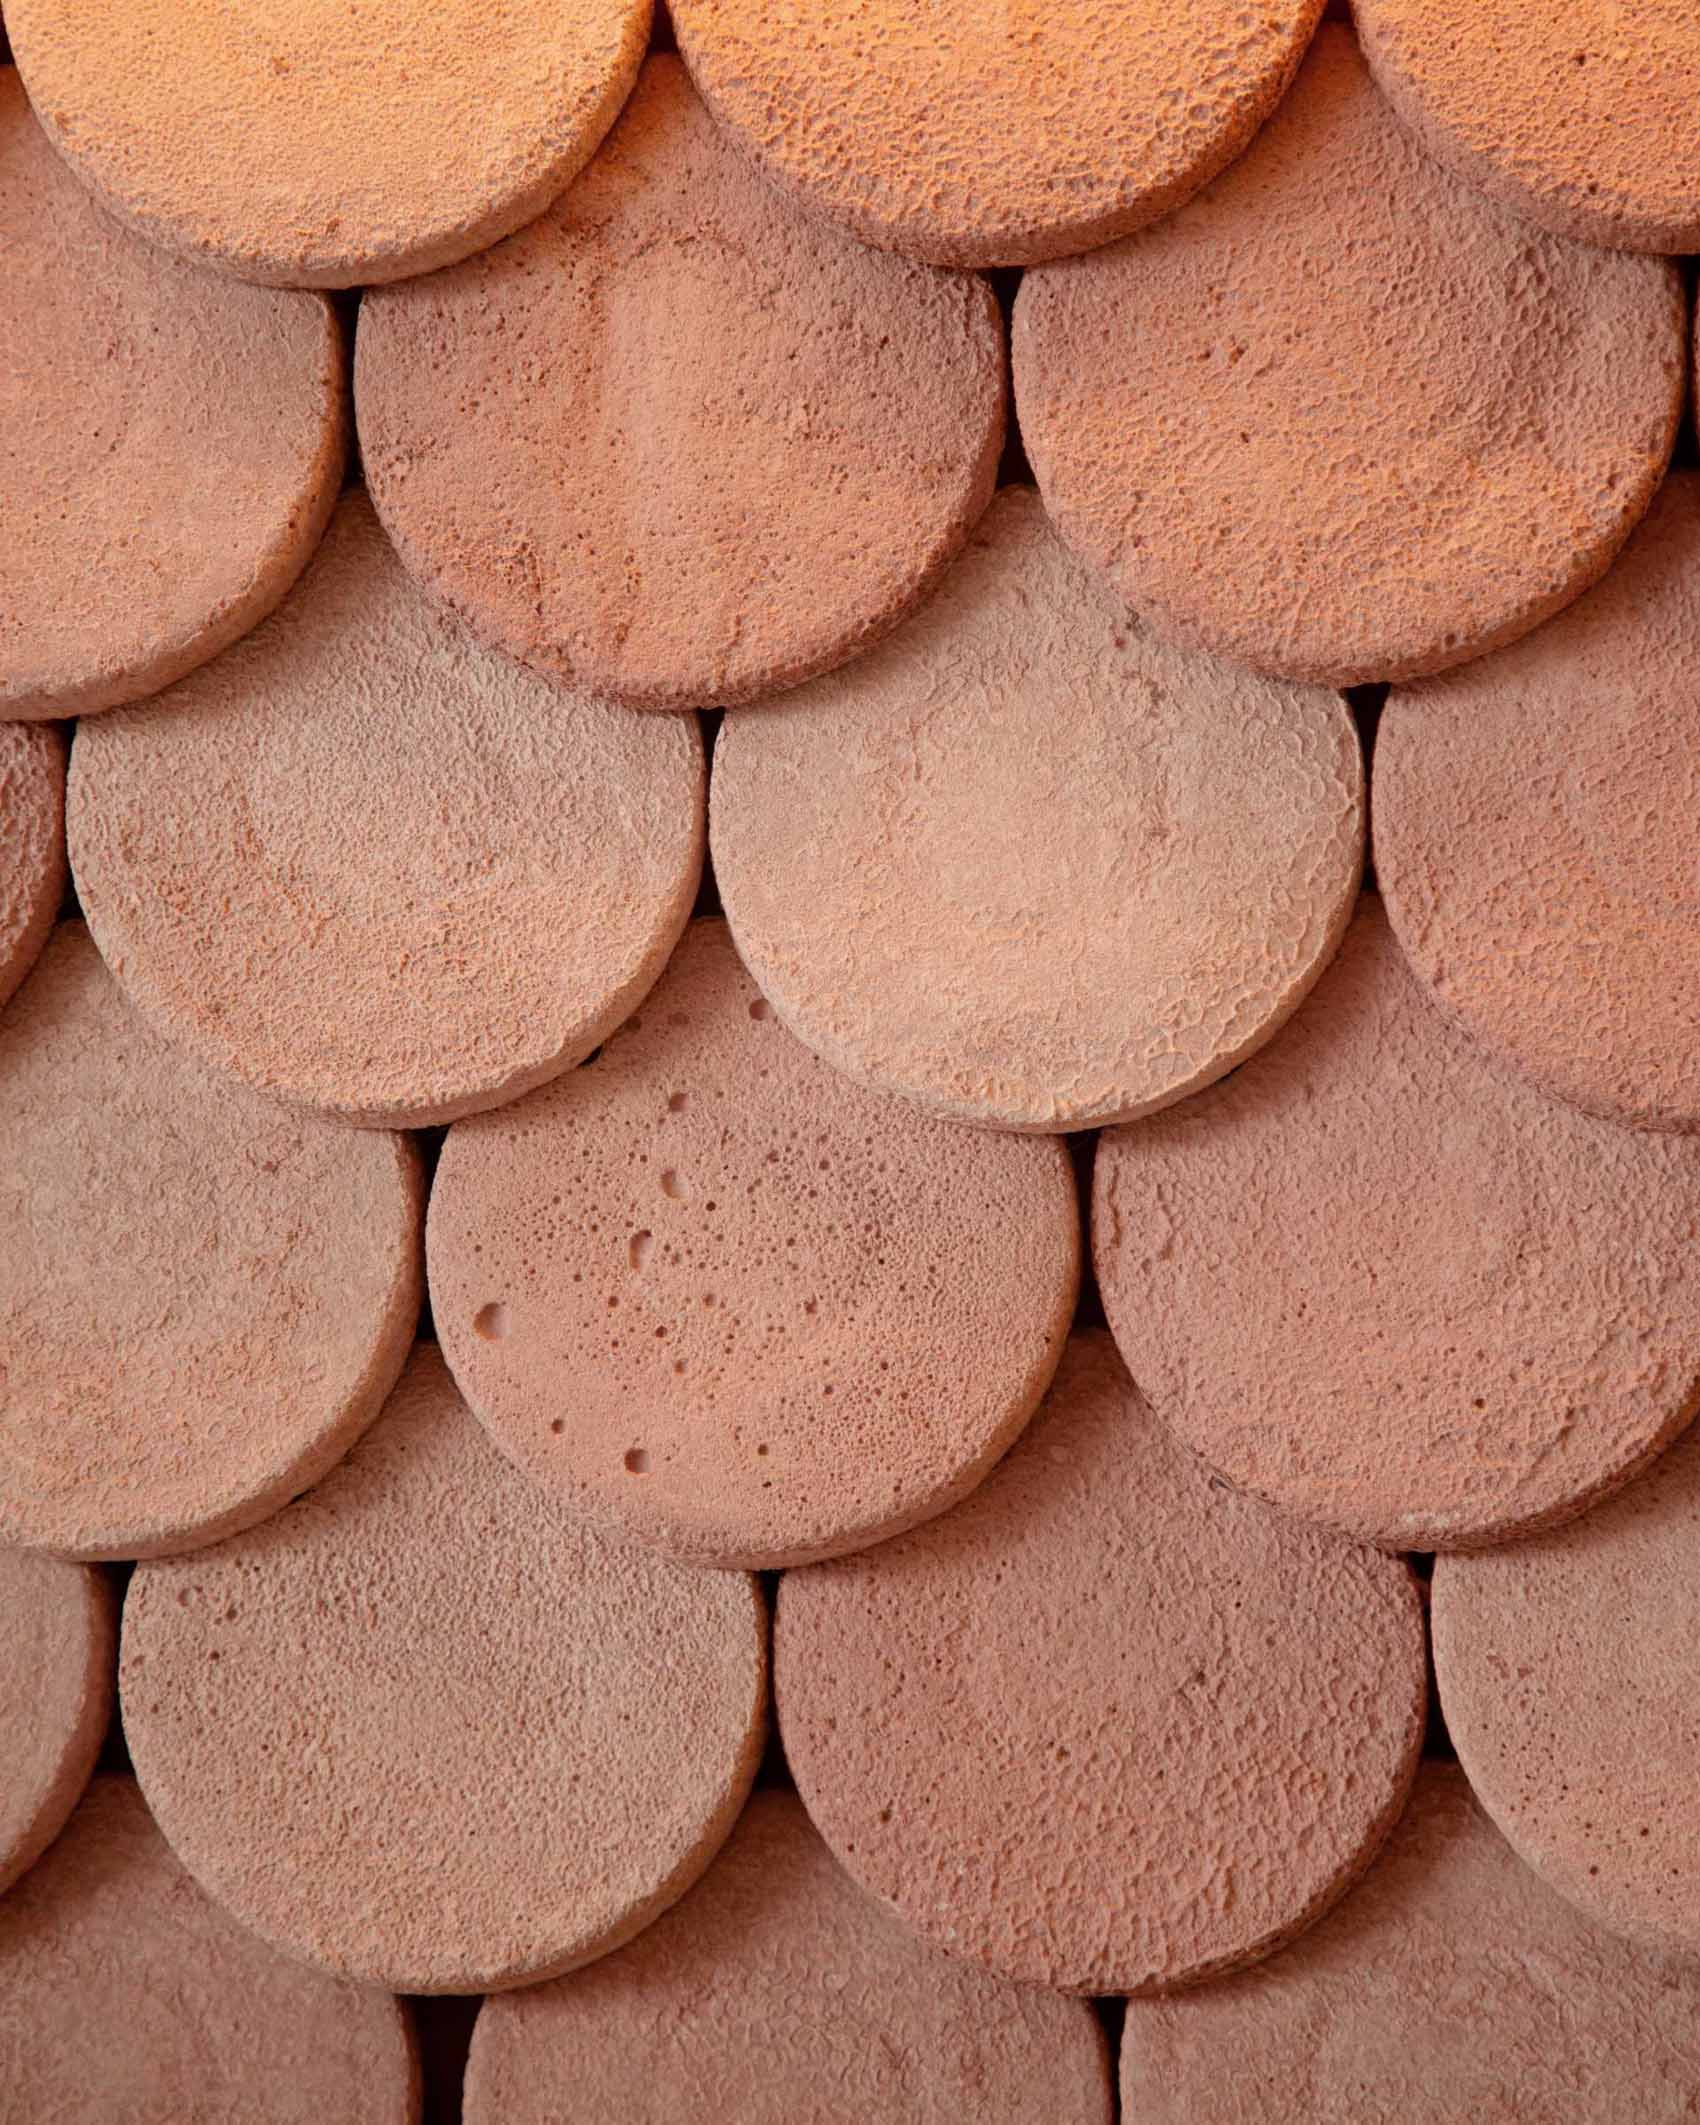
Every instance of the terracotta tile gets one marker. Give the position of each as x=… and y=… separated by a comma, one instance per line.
x=429, y=1732
x=203, y=1298
x=1027, y=864
x=1340, y=416
x=327, y=145
x=1107, y=1726
x=374, y=869
x=708, y=1292
x=677, y=441
x=173, y=445
x=1385, y=1285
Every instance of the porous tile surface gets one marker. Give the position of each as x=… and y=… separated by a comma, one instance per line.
x=1382, y=1283
x=1532, y=836
x=203, y=1299
x=130, y=1995
x=174, y=444
x=1029, y=865
x=1340, y=417
x=766, y=444
x=1448, y=1984
x=709, y=1292
x=776, y=1993
x=1567, y=1677
x=321, y=144
x=1107, y=1726
x=978, y=134
x=373, y=868
x=426, y=1730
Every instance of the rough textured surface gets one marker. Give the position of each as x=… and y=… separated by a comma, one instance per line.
x=129, y=1996
x=1582, y=114
x=56, y=1647
x=979, y=134
x=1025, y=863
x=373, y=868
x=1388, y=1288
x=709, y=1292
x=1567, y=1674
x=766, y=445
x=1341, y=417
x=1448, y=1985
x=173, y=445
x=1533, y=836
x=203, y=1298
x=32, y=844
x=320, y=144
x=429, y=1731
x=1107, y=1726
x=777, y=1993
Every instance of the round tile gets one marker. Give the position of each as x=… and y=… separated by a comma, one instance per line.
x=1449, y=1984
x=56, y=1671
x=1028, y=865
x=709, y=1293
x=977, y=137
x=776, y=1993
x=203, y=1298
x=1108, y=1726
x=372, y=868
x=1388, y=1288
x=1340, y=417
x=1578, y=113
x=767, y=444
x=32, y=844
x=1566, y=1672
x=426, y=1730
x=325, y=145
x=1532, y=837
x=129, y=1995
x=174, y=444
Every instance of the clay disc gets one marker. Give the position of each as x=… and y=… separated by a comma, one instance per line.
x=32, y=844
x=767, y=443
x=174, y=444
x=129, y=1995
x=777, y=1985
x=321, y=144
x=375, y=869
x=1567, y=1674
x=1027, y=864
x=1108, y=1726
x=1341, y=417
x=708, y=1292
x=1533, y=836
x=429, y=1731
x=203, y=1298
x=56, y=1648
x=1387, y=1288
x=1581, y=114
x=979, y=135
x=1449, y=1984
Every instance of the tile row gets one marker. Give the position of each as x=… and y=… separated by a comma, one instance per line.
x=1024, y=863
x=717, y=1297
x=1448, y=1984
x=680, y=442
x=333, y=148
x=1109, y=1727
